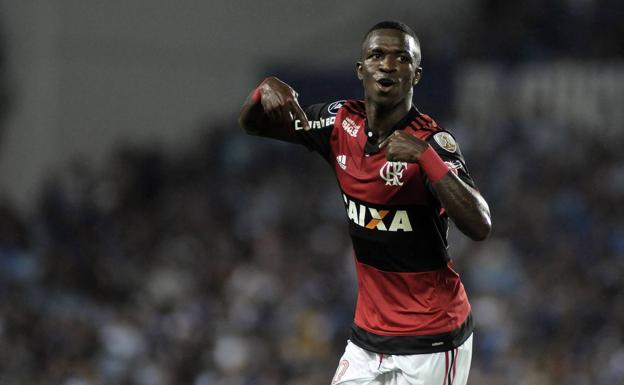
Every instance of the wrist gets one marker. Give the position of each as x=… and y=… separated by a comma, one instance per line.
x=432, y=165
x=256, y=96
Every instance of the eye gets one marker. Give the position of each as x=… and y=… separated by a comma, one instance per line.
x=405, y=59
x=375, y=55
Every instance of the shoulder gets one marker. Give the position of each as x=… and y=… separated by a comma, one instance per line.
x=426, y=123
x=333, y=108
x=322, y=115
x=351, y=118
x=444, y=140
x=428, y=129
x=421, y=125
x=355, y=107
x=326, y=114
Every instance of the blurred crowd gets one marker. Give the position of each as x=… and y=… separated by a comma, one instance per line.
x=216, y=267
x=537, y=30
x=229, y=263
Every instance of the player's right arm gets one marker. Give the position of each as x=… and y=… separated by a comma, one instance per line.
x=271, y=110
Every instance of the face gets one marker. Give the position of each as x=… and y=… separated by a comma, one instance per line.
x=390, y=67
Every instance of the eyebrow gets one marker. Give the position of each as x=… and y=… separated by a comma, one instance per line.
x=398, y=51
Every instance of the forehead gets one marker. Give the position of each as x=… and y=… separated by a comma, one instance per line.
x=390, y=39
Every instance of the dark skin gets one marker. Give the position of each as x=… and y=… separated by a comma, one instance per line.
x=277, y=110
x=389, y=69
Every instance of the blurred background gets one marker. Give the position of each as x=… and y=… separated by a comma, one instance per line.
x=145, y=240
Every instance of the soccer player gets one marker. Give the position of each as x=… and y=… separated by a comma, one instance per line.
x=402, y=177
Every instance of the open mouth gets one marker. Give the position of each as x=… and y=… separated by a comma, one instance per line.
x=385, y=84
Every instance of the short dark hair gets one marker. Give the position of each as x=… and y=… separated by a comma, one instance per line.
x=393, y=24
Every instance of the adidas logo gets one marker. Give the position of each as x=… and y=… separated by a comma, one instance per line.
x=342, y=161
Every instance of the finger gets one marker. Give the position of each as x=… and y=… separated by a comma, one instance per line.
x=300, y=115
x=399, y=133
x=280, y=109
x=284, y=114
x=271, y=110
x=277, y=112
x=384, y=142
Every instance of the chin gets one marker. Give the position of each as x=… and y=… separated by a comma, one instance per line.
x=386, y=100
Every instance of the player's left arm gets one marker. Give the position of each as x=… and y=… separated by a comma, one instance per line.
x=454, y=189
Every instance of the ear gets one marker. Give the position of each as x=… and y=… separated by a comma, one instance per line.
x=417, y=75
x=358, y=69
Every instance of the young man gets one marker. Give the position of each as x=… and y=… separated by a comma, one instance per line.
x=402, y=177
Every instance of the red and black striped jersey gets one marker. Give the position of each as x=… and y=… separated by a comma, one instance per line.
x=410, y=300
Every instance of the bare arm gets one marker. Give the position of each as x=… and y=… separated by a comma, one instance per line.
x=464, y=205
x=274, y=113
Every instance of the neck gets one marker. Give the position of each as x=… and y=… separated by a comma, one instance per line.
x=381, y=119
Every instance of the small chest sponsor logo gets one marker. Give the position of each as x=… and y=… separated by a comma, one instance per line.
x=335, y=106
x=342, y=161
x=350, y=127
x=374, y=219
x=392, y=173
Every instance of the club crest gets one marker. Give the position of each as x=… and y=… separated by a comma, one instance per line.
x=392, y=173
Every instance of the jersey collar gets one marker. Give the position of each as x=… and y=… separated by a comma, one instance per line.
x=371, y=146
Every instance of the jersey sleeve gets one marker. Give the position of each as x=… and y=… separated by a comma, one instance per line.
x=321, y=118
x=447, y=148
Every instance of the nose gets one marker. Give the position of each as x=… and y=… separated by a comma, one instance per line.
x=388, y=64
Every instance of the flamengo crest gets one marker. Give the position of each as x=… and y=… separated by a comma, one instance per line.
x=392, y=172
